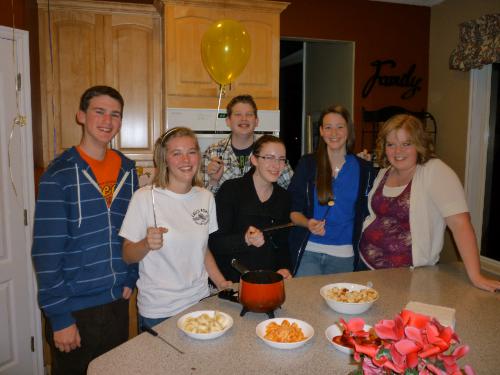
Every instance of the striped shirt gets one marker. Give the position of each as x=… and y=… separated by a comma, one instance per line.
x=76, y=248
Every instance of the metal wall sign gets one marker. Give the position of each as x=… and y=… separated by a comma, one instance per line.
x=381, y=76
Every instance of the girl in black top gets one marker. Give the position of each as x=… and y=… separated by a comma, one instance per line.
x=249, y=204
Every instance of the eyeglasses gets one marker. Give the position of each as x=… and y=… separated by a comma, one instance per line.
x=272, y=159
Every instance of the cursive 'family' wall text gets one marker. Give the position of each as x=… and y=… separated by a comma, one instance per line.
x=407, y=79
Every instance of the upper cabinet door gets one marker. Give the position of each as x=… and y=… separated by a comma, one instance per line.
x=133, y=48
x=261, y=75
x=68, y=56
x=100, y=43
x=188, y=84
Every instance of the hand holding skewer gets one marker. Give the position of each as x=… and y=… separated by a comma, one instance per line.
x=154, y=237
x=215, y=169
x=318, y=226
x=254, y=237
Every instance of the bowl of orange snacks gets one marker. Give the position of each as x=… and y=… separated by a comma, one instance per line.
x=284, y=333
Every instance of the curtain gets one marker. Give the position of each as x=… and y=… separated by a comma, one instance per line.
x=479, y=43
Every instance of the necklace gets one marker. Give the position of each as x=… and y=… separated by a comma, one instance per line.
x=336, y=171
x=397, y=178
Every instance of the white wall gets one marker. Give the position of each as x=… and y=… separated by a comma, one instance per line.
x=449, y=89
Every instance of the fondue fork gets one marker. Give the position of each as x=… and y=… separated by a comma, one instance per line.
x=154, y=209
x=330, y=205
x=152, y=332
x=216, y=292
x=275, y=227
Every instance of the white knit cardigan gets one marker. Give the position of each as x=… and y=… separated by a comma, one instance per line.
x=436, y=193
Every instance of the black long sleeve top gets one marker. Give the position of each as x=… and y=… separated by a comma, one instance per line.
x=238, y=207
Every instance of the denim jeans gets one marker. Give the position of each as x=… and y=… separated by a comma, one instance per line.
x=150, y=322
x=322, y=264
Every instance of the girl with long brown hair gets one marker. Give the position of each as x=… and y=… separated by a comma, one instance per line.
x=329, y=190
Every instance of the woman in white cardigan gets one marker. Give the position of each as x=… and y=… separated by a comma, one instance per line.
x=414, y=197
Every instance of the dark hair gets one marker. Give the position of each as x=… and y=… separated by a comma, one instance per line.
x=241, y=99
x=324, y=168
x=160, y=178
x=261, y=141
x=418, y=137
x=94, y=91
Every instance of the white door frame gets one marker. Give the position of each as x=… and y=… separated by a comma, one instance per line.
x=477, y=148
x=25, y=132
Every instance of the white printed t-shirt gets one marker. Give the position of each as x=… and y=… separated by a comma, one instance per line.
x=174, y=277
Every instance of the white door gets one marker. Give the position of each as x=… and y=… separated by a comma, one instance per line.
x=20, y=338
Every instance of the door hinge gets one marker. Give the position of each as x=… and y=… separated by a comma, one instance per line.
x=18, y=82
x=25, y=218
x=32, y=344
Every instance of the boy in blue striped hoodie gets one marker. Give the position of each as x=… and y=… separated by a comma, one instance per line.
x=84, y=285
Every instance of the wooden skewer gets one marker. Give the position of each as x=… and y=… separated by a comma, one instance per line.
x=275, y=227
x=154, y=208
x=330, y=205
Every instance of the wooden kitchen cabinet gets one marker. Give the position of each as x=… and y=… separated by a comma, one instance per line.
x=187, y=84
x=85, y=43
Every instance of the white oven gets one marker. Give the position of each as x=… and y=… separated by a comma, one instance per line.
x=211, y=127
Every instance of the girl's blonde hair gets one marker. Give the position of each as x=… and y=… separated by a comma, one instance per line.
x=160, y=156
x=418, y=137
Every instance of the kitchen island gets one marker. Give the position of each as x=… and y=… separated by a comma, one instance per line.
x=240, y=351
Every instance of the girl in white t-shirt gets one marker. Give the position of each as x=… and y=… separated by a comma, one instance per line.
x=166, y=230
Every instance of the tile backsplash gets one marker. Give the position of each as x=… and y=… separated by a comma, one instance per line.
x=145, y=175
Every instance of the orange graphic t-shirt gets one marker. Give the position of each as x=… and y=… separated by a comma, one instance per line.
x=105, y=170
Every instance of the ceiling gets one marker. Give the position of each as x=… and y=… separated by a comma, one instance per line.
x=426, y=3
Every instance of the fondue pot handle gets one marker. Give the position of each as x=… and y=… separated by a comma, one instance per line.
x=235, y=263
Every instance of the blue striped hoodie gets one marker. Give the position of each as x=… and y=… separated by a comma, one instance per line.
x=77, y=253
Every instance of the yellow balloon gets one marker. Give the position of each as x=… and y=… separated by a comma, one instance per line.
x=225, y=50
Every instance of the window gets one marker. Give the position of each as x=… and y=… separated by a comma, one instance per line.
x=491, y=206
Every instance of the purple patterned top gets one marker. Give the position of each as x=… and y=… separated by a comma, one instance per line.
x=386, y=242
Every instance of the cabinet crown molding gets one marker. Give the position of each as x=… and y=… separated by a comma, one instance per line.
x=99, y=6
x=253, y=5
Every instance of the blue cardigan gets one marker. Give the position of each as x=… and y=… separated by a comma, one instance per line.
x=302, y=188
x=77, y=253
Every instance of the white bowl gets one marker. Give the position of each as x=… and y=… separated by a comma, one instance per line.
x=346, y=307
x=336, y=330
x=307, y=329
x=205, y=336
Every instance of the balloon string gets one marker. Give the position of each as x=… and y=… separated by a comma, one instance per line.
x=19, y=120
x=53, y=106
x=14, y=59
x=221, y=93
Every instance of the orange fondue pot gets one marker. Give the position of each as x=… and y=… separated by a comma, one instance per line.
x=260, y=291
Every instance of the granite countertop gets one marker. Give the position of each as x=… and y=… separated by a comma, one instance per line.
x=240, y=351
